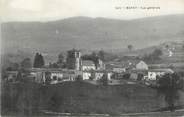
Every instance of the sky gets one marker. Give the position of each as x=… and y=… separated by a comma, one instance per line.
x=48, y=10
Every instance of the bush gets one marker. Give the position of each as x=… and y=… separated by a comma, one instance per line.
x=79, y=78
x=104, y=80
x=169, y=84
x=126, y=76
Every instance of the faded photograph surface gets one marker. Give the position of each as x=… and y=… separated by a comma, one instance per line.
x=92, y=58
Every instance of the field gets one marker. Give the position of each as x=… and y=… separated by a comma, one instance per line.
x=78, y=97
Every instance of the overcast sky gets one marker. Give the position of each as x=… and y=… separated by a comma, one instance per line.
x=45, y=10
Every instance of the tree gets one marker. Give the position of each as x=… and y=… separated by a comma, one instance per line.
x=167, y=46
x=60, y=62
x=157, y=53
x=126, y=76
x=93, y=57
x=53, y=65
x=169, y=84
x=101, y=55
x=13, y=67
x=38, y=61
x=140, y=76
x=79, y=78
x=47, y=77
x=19, y=76
x=130, y=47
x=104, y=80
x=41, y=59
x=26, y=63
x=60, y=58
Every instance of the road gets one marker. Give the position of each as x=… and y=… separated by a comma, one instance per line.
x=177, y=113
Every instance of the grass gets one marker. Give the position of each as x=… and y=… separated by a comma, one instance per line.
x=78, y=97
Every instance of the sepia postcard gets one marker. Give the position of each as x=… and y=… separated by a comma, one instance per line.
x=93, y=58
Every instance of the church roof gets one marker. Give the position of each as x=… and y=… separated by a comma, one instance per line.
x=87, y=63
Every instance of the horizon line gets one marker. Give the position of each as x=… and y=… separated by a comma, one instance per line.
x=59, y=19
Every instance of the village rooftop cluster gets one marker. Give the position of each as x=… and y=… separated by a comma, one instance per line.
x=90, y=71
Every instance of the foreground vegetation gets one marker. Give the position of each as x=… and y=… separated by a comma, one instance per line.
x=78, y=97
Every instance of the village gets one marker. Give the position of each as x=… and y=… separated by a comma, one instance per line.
x=131, y=72
x=92, y=58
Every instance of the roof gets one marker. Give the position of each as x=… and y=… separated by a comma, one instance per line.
x=162, y=70
x=87, y=63
x=131, y=62
x=74, y=50
x=12, y=72
x=131, y=55
x=137, y=70
x=52, y=70
x=142, y=62
x=98, y=71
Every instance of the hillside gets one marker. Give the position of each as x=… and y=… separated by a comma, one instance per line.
x=91, y=33
x=173, y=54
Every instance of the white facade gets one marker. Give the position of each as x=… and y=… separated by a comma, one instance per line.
x=158, y=72
x=153, y=75
x=90, y=67
x=39, y=76
x=58, y=75
x=98, y=75
x=100, y=65
x=109, y=76
x=77, y=64
x=86, y=75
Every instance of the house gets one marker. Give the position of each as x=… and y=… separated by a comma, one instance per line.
x=38, y=76
x=134, y=76
x=57, y=74
x=99, y=74
x=92, y=75
x=88, y=65
x=11, y=75
x=115, y=66
x=109, y=74
x=46, y=75
x=119, y=69
x=141, y=66
x=138, y=74
x=100, y=65
x=96, y=74
x=86, y=75
x=119, y=76
x=153, y=73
